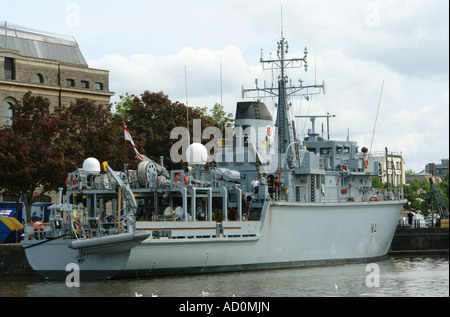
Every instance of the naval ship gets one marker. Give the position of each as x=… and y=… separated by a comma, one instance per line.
x=268, y=200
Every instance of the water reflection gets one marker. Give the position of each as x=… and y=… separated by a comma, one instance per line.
x=399, y=276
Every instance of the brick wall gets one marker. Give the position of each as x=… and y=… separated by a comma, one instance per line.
x=13, y=261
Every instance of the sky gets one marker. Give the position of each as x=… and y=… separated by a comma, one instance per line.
x=389, y=57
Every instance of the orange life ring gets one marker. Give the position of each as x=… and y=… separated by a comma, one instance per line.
x=74, y=181
x=366, y=163
x=178, y=175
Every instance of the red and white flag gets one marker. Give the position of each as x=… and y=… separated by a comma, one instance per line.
x=128, y=137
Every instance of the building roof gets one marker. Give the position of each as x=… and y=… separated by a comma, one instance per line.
x=424, y=176
x=38, y=44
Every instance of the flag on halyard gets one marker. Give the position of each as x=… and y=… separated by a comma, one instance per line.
x=128, y=137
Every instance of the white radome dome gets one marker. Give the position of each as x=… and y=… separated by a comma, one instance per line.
x=91, y=165
x=196, y=153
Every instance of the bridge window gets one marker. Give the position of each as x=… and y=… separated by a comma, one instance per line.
x=325, y=151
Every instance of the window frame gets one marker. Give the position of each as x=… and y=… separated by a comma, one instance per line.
x=10, y=68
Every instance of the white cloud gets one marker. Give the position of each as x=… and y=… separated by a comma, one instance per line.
x=357, y=44
x=408, y=49
x=353, y=91
x=141, y=72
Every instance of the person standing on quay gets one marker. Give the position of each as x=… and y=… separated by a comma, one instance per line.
x=410, y=219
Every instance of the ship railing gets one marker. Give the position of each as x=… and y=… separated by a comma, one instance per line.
x=92, y=227
x=383, y=194
x=203, y=229
x=36, y=234
x=46, y=230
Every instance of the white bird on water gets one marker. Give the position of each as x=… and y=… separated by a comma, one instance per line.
x=335, y=287
x=205, y=294
x=136, y=294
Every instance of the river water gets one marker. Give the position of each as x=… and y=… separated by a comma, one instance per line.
x=392, y=277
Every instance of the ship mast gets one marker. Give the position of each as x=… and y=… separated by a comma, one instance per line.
x=284, y=91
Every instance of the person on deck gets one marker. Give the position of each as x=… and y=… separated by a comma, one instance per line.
x=255, y=185
x=277, y=185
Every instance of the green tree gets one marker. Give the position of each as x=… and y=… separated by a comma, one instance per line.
x=418, y=193
x=377, y=183
x=217, y=116
x=126, y=103
x=444, y=189
x=411, y=193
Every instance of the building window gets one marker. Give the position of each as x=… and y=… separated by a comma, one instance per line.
x=7, y=114
x=39, y=79
x=10, y=68
x=84, y=84
x=98, y=86
x=70, y=83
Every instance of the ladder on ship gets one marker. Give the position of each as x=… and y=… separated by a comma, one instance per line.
x=442, y=207
x=125, y=186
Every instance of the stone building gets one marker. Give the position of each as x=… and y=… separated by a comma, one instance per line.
x=47, y=65
x=392, y=168
x=438, y=169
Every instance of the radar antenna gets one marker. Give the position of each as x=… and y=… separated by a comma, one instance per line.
x=285, y=90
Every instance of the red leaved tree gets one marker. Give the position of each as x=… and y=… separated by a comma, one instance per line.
x=150, y=120
x=90, y=132
x=31, y=150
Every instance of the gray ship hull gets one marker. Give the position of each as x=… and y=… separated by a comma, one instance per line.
x=98, y=258
x=288, y=235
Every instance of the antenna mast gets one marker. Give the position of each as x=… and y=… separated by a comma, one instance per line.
x=376, y=117
x=221, y=86
x=285, y=90
x=187, y=106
